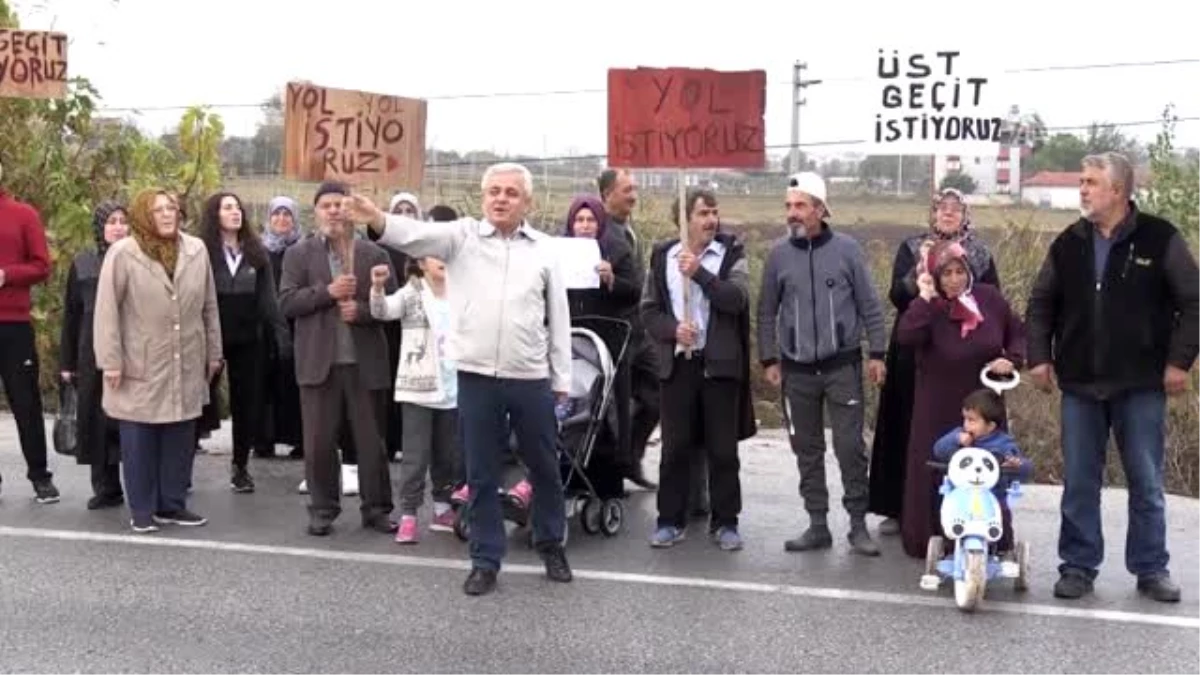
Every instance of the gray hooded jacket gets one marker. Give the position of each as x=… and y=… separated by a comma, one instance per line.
x=817, y=298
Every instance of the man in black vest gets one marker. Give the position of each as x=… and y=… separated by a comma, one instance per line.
x=1114, y=319
x=619, y=193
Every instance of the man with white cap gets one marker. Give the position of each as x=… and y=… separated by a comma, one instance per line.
x=817, y=300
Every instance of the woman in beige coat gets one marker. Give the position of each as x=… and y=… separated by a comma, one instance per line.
x=158, y=341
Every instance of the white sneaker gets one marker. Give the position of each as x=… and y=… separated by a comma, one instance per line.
x=1010, y=569
x=349, y=480
x=930, y=582
x=303, y=487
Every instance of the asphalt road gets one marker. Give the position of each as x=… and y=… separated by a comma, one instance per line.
x=252, y=593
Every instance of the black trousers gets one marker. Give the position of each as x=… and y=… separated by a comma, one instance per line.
x=19, y=372
x=245, y=369
x=699, y=415
x=646, y=394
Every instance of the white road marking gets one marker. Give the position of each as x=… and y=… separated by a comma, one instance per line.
x=1054, y=611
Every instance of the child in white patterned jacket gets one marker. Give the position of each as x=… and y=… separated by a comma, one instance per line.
x=426, y=387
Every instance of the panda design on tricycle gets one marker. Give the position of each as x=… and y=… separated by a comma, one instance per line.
x=971, y=516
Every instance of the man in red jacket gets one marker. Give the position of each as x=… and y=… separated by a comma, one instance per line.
x=24, y=262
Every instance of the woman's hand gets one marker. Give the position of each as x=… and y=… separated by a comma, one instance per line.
x=112, y=378
x=604, y=269
x=1001, y=366
x=925, y=286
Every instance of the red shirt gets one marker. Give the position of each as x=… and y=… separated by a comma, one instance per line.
x=24, y=257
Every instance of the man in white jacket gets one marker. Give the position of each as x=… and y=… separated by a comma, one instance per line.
x=511, y=340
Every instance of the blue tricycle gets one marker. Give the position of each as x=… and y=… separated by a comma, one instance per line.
x=971, y=517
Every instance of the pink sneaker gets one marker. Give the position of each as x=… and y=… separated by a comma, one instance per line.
x=407, y=533
x=444, y=522
x=521, y=493
x=461, y=496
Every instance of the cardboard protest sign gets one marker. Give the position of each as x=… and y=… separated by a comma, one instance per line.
x=33, y=64
x=357, y=137
x=686, y=118
x=929, y=102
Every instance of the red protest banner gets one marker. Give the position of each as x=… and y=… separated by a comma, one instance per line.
x=686, y=118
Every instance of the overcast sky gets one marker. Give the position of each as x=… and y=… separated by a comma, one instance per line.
x=150, y=53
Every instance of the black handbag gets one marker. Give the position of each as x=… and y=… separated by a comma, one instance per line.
x=66, y=422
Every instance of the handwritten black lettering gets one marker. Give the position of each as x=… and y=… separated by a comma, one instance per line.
x=350, y=162
x=978, y=82
x=939, y=128
x=889, y=69
x=309, y=98
x=689, y=144
x=918, y=67
x=322, y=130
x=392, y=131
x=19, y=71
x=949, y=56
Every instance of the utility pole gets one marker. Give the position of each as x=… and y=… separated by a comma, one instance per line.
x=798, y=84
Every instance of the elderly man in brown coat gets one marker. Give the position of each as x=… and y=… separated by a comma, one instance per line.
x=342, y=364
x=157, y=338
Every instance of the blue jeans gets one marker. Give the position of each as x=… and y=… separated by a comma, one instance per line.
x=485, y=407
x=157, y=459
x=1138, y=421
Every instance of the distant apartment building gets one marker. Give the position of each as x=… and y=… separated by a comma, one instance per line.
x=993, y=175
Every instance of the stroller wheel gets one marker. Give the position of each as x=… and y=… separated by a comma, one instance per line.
x=590, y=516
x=462, y=526
x=612, y=515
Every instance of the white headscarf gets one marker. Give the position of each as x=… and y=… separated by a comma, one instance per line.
x=406, y=197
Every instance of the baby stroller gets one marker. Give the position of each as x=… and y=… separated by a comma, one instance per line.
x=590, y=420
x=586, y=418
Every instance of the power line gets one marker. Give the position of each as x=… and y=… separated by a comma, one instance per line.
x=579, y=92
x=779, y=146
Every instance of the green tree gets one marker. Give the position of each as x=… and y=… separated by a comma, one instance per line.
x=62, y=160
x=1060, y=152
x=958, y=181
x=1174, y=191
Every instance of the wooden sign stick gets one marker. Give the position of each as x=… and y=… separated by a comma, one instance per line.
x=683, y=247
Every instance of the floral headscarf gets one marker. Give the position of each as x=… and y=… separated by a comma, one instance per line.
x=963, y=309
x=978, y=255
x=100, y=216
x=163, y=250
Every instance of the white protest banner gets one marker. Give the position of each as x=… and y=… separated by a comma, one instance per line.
x=936, y=101
x=577, y=260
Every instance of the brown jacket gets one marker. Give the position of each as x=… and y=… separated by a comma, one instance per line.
x=160, y=335
x=304, y=297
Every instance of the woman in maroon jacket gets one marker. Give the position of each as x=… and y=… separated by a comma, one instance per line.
x=955, y=327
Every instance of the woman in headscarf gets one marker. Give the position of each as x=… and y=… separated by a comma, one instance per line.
x=619, y=293
x=281, y=418
x=157, y=336
x=404, y=204
x=98, y=443
x=955, y=327
x=250, y=319
x=949, y=220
